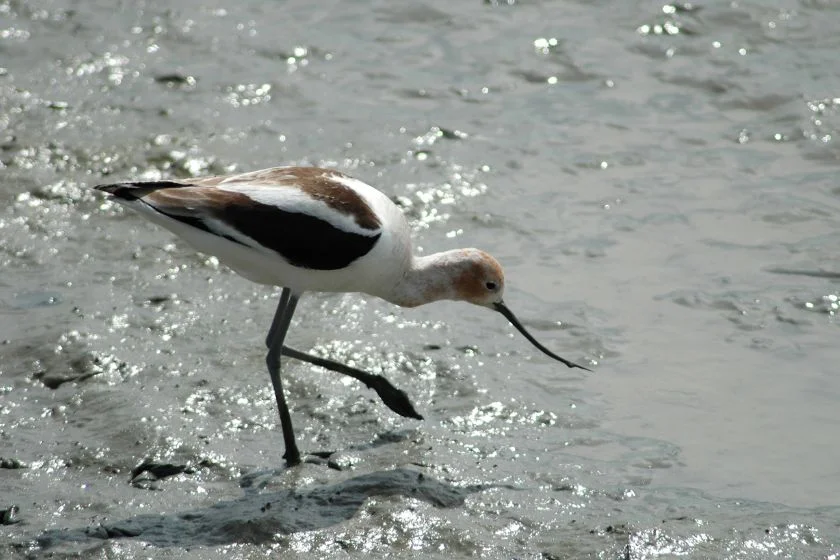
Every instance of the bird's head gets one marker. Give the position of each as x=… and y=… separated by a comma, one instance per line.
x=481, y=281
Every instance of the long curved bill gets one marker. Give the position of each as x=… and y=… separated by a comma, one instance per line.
x=504, y=310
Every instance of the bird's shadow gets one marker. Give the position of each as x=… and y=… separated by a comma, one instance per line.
x=258, y=517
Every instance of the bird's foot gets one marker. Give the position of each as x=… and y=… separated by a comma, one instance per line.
x=395, y=399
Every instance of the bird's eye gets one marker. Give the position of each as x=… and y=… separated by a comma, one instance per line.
x=490, y=285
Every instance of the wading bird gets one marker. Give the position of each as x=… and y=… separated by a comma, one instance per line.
x=312, y=229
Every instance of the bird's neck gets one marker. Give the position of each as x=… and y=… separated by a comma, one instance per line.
x=429, y=278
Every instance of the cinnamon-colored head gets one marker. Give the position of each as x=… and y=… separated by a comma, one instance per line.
x=481, y=280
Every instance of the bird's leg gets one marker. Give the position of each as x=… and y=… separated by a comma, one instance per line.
x=394, y=398
x=276, y=335
x=281, y=307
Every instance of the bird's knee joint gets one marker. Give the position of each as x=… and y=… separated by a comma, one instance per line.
x=272, y=359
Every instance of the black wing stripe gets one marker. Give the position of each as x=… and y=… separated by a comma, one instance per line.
x=302, y=240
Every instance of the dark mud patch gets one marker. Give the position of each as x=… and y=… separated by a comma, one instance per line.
x=258, y=517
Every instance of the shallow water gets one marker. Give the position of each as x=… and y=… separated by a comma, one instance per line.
x=660, y=182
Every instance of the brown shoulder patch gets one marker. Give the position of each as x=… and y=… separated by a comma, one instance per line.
x=192, y=199
x=320, y=184
x=209, y=181
x=317, y=182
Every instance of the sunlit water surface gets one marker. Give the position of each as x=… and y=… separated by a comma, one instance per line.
x=660, y=181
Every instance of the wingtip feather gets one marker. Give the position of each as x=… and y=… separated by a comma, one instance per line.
x=124, y=191
x=110, y=189
x=136, y=189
